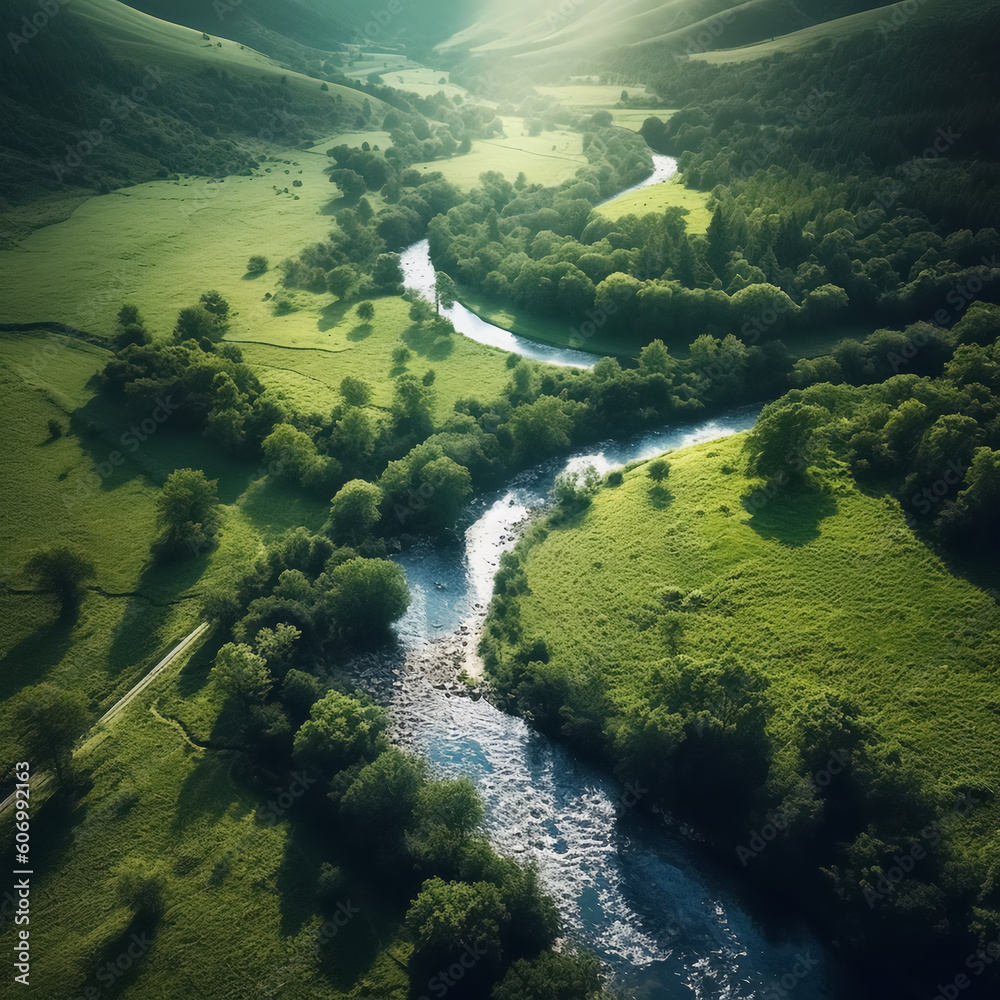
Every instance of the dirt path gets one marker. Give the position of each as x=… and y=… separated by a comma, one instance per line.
x=40, y=780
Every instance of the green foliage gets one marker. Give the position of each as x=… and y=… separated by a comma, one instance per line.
x=445, y=921
x=551, y=976
x=658, y=469
x=339, y=732
x=241, y=672
x=354, y=512
x=365, y=597
x=47, y=721
x=379, y=803
x=186, y=509
x=355, y=391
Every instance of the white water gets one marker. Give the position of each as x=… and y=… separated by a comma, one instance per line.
x=634, y=888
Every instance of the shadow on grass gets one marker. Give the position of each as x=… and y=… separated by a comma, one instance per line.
x=333, y=315
x=275, y=506
x=429, y=343
x=361, y=332
x=791, y=517
x=33, y=657
x=660, y=496
x=118, y=962
x=352, y=922
x=208, y=793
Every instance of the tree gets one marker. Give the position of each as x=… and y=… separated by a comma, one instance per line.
x=379, y=802
x=241, y=672
x=354, y=511
x=541, y=427
x=340, y=731
x=444, y=292
x=257, y=264
x=355, y=391
x=445, y=921
x=720, y=243
x=552, y=976
x=784, y=441
x=62, y=569
x=186, y=509
x=366, y=596
x=658, y=470
x=366, y=311
x=47, y=721
x=131, y=328
x=343, y=281
x=400, y=355
x=387, y=274
x=277, y=646
x=420, y=310
x=352, y=185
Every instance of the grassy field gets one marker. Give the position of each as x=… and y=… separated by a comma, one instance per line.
x=308, y=360
x=239, y=917
x=660, y=197
x=829, y=589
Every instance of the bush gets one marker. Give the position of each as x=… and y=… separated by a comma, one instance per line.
x=257, y=264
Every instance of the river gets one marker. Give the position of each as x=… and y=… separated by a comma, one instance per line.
x=636, y=888
x=419, y=275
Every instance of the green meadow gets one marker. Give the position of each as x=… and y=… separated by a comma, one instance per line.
x=660, y=197
x=822, y=590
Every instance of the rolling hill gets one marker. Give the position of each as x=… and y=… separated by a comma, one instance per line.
x=573, y=28
x=105, y=95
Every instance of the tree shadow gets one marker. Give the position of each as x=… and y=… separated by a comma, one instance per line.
x=660, y=496
x=361, y=332
x=792, y=517
x=429, y=343
x=208, y=793
x=333, y=315
x=253, y=275
x=33, y=657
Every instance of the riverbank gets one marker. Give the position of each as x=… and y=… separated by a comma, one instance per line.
x=737, y=641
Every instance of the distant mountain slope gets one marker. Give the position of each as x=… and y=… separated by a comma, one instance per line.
x=884, y=20
x=280, y=27
x=104, y=95
x=573, y=27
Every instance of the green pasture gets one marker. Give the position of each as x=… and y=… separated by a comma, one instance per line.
x=659, y=197
x=826, y=589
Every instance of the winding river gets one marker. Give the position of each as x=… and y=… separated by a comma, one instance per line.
x=637, y=889
x=419, y=275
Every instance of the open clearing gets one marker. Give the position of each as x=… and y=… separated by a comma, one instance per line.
x=822, y=590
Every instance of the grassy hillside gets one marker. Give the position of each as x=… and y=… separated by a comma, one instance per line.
x=718, y=641
x=106, y=96
x=524, y=30
x=826, y=590
x=881, y=20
